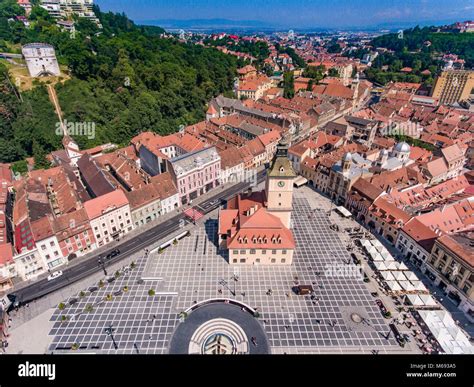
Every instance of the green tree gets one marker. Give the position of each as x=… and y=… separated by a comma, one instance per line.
x=288, y=85
x=41, y=162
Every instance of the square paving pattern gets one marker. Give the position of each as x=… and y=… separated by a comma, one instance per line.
x=194, y=270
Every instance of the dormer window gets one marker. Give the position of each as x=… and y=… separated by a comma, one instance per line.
x=282, y=169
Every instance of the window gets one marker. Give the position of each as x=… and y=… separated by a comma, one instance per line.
x=252, y=251
x=234, y=260
x=257, y=260
x=273, y=260
x=274, y=251
x=242, y=260
x=264, y=252
x=283, y=260
x=283, y=251
x=235, y=251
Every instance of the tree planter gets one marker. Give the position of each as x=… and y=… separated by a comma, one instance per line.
x=101, y=284
x=125, y=289
x=75, y=347
x=109, y=297
x=61, y=306
x=151, y=293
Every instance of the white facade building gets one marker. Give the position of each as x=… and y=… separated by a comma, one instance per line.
x=41, y=60
x=50, y=253
x=110, y=216
x=29, y=264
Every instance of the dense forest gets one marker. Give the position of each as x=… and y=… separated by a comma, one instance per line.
x=418, y=48
x=439, y=42
x=124, y=79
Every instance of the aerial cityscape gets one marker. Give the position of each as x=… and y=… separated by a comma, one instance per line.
x=257, y=179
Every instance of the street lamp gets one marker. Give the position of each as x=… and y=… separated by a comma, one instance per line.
x=136, y=348
x=109, y=331
x=235, y=277
x=224, y=283
x=102, y=264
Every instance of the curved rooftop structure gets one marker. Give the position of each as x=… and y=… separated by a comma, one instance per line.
x=402, y=147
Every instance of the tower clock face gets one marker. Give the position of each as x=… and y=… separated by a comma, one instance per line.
x=281, y=184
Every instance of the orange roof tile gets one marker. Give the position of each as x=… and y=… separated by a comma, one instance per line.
x=96, y=207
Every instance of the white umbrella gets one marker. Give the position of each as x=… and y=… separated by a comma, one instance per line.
x=377, y=245
x=427, y=300
x=380, y=266
x=406, y=285
x=394, y=286
x=402, y=266
x=419, y=286
x=365, y=243
x=387, y=276
x=391, y=265
x=415, y=299
x=371, y=250
x=377, y=258
x=411, y=276
x=399, y=276
x=385, y=254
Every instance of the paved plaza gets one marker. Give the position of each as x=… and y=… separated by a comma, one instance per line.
x=341, y=317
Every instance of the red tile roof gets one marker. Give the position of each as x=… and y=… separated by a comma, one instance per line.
x=96, y=207
x=6, y=253
x=421, y=234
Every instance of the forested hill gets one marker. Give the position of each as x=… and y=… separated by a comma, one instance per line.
x=416, y=38
x=125, y=79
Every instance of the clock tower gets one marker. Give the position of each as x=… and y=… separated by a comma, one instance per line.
x=279, y=185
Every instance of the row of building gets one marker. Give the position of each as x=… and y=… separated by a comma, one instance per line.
x=418, y=198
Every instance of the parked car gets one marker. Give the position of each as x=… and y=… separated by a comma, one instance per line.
x=113, y=253
x=55, y=275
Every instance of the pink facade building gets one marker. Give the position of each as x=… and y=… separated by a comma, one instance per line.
x=195, y=173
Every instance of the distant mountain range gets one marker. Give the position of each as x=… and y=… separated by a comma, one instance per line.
x=212, y=25
x=205, y=24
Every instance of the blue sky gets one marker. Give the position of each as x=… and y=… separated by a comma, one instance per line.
x=297, y=13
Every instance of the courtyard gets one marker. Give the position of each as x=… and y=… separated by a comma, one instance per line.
x=143, y=303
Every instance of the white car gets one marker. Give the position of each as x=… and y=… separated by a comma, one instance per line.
x=54, y=275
